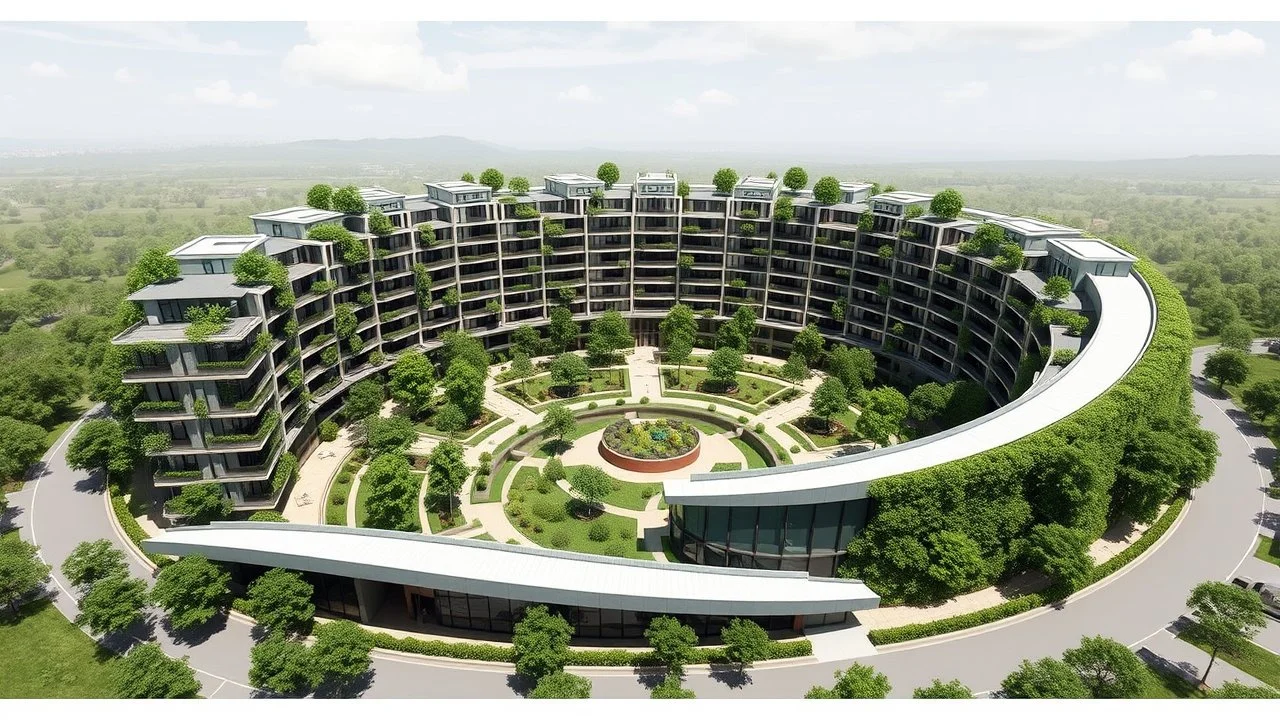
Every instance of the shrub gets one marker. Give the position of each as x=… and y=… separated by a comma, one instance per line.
x=620, y=401
x=644, y=400
x=759, y=427
x=559, y=539
x=743, y=419
x=615, y=550
x=598, y=532
x=328, y=431
x=712, y=408
x=795, y=448
x=522, y=429
x=550, y=510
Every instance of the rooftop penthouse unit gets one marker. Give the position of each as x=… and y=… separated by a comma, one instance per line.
x=571, y=185
x=382, y=199
x=855, y=192
x=293, y=222
x=757, y=188
x=1076, y=258
x=896, y=203
x=661, y=184
x=458, y=192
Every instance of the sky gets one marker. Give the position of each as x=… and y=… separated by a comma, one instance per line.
x=879, y=91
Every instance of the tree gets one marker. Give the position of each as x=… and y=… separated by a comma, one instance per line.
x=730, y=336
x=340, y=655
x=670, y=689
x=280, y=600
x=155, y=265
x=795, y=370
x=987, y=239
x=784, y=210
x=1158, y=461
x=347, y=200
x=40, y=380
x=558, y=422
x=464, y=387
x=562, y=330
x=745, y=318
x=591, y=484
x=946, y=204
x=457, y=345
x=201, y=503
x=1226, y=617
x=100, y=444
x=883, y=410
x=92, y=561
x=672, y=642
x=21, y=444
x=446, y=472
x=1217, y=309
x=1045, y=679
x=744, y=642
x=21, y=572
x=612, y=330
x=518, y=185
x=112, y=604
x=561, y=685
x=281, y=665
x=956, y=561
x=320, y=197
x=526, y=339
x=928, y=401
x=938, y=690
x=795, y=179
x=383, y=435
x=682, y=189
x=147, y=673
x=449, y=418
x=365, y=398
x=412, y=381
x=723, y=367
x=829, y=399
x=1057, y=287
x=1262, y=399
x=1107, y=668
x=567, y=370
x=521, y=367
x=677, y=353
x=192, y=590
x=1232, y=690
x=808, y=342
x=493, y=178
x=393, y=494
x=1060, y=552
x=854, y=366
x=827, y=191
x=859, y=682
x=467, y=177
x=553, y=472
x=1227, y=366
x=1237, y=335
x=541, y=643
x=724, y=180
x=608, y=172
x=679, y=324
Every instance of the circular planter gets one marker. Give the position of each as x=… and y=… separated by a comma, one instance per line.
x=650, y=465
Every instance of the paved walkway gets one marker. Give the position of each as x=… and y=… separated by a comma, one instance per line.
x=305, y=503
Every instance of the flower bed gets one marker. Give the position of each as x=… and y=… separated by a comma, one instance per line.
x=650, y=445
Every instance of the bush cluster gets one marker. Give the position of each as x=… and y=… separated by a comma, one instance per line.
x=651, y=439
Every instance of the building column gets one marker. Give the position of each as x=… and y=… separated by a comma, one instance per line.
x=797, y=623
x=369, y=595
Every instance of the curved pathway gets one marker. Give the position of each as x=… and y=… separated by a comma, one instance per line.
x=1214, y=538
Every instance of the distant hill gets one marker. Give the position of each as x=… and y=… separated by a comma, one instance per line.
x=446, y=156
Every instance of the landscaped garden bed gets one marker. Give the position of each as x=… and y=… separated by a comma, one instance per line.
x=479, y=425
x=749, y=391
x=822, y=434
x=548, y=516
x=650, y=445
x=539, y=390
x=628, y=495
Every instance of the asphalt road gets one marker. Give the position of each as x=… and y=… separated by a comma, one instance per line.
x=1213, y=540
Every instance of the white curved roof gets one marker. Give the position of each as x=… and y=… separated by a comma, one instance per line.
x=1126, y=321
x=520, y=573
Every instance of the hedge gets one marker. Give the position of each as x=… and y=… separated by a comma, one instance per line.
x=132, y=529
x=1031, y=601
x=988, y=498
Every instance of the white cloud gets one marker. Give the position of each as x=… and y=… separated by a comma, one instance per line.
x=360, y=107
x=1204, y=43
x=579, y=93
x=716, y=97
x=1145, y=70
x=175, y=37
x=965, y=92
x=220, y=93
x=124, y=77
x=361, y=56
x=682, y=108
x=45, y=70
x=1207, y=94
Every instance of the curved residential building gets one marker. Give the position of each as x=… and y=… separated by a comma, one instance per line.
x=872, y=271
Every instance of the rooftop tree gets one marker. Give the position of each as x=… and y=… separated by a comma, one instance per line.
x=347, y=200
x=827, y=191
x=412, y=382
x=723, y=367
x=518, y=185
x=946, y=204
x=795, y=179
x=467, y=177
x=592, y=485
x=724, y=180
x=493, y=178
x=829, y=399
x=155, y=265
x=808, y=343
x=682, y=189
x=320, y=197
x=784, y=210
x=1057, y=288
x=608, y=173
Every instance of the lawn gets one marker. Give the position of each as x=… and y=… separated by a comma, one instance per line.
x=485, y=432
x=436, y=523
x=750, y=391
x=811, y=427
x=570, y=533
x=537, y=390
x=484, y=536
x=754, y=459
x=778, y=450
x=726, y=467
x=1267, y=550
x=337, y=514
x=1253, y=659
x=495, y=484
x=552, y=445
x=629, y=495
x=45, y=656
x=774, y=371
x=667, y=551
x=486, y=419
x=1261, y=367
x=797, y=435
x=1163, y=686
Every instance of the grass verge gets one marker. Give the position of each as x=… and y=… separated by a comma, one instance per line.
x=45, y=656
x=753, y=458
x=1268, y=550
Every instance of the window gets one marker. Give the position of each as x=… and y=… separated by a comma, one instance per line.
x=275, y=229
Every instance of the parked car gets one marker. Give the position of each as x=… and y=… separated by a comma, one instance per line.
x=1269, y=593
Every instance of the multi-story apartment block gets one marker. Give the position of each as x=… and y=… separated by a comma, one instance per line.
x=874, y=271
